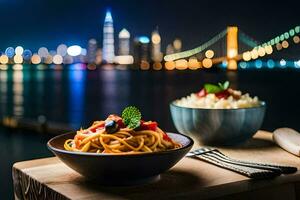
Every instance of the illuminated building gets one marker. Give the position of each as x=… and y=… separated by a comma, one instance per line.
x=169, y=49
x=91, y=51
x=124, y=49
x=177, y=44
x=124, y=42
x=108, y=39
x=62, y=50
x=141, y=49
x=156, y=47
x=99, y=57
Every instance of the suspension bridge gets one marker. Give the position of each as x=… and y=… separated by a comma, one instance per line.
x=232, y=45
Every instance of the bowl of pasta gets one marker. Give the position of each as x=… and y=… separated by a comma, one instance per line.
x=121, y=150
x=218, y=115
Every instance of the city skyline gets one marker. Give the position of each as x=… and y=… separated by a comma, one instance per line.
x=77, y=22
x=147, y=49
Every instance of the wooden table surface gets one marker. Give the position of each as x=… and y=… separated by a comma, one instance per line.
x=49, y=178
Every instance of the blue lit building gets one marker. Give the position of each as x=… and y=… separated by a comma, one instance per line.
x=108, y=39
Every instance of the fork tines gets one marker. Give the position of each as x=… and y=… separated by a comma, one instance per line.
x=250, y=169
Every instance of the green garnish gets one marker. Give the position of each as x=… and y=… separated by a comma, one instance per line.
x=211, y=88
x=131, y=117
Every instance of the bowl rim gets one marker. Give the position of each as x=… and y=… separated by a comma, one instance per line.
x=262, y=105
x=50, y=147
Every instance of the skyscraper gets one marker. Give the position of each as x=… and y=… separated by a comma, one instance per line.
x=141, y=49
x=124, y=42
x=91, y=50
x=156, y=54
x=108, y=38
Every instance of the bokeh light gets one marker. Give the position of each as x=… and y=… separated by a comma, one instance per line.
x=27, y=54
x=124, y=60
x=35, y=59
x=4, y=59
x=278, y=46
x=286, y=35
x=43, y=52
x=157, y=66
x=177, y=44
x=170, y=65
x=209, y=53
x=254, y=54
x=74, y=50
x=232, y=53
x=18, y=59
x=297, y=64
x=261, y=51
x=48, y=59
x=68, y=60
x=17, y=67
x=144, y=39
x=296, y=39
x=285, y=44
x=10, y=52
x=193, y=64
x=292, y=32
x=268, y=49
x=207, y=63
x=282, y=63
x=181, y=64
x=62, y=50
x=270, y=64
x=57, y=59
x=246, y=56
x=19, y=50
x=144, y=65
x=3, y=67
x=155, y=38
x=258, y=64
x=243, y=65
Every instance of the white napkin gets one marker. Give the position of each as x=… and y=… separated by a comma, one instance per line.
x=288, y=139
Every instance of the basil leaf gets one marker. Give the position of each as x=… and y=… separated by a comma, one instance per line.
x=131, y=117
x=210, y=88
x=225, y=85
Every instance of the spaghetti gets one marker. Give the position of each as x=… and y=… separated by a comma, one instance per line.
x=114, y=136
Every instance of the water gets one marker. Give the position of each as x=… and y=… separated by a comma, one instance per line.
x=77, y=97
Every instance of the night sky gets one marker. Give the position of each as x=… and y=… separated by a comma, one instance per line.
x=35, y=23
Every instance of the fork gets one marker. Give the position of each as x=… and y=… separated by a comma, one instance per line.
x=250, y=169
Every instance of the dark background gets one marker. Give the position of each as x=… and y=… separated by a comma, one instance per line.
x=36, y=23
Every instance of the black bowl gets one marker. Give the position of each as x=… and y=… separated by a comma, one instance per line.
x=113, y=169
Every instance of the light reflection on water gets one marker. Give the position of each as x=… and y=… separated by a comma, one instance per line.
x=77, y=81
x=18, y=89
x=77, y=96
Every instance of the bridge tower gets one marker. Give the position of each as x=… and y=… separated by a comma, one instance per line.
x=232, y=47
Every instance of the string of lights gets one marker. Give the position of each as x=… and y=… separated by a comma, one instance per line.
x=266, y=48
x=196, y=50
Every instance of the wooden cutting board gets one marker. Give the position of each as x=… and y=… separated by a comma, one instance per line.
x=49, y=178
